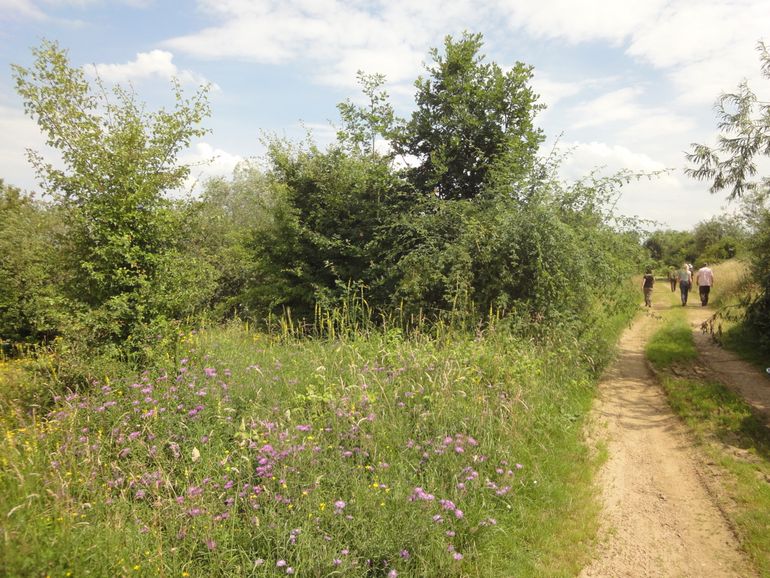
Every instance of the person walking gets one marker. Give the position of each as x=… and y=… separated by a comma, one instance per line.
x=647, y=282
x=685, y=282
x=705, y=278
x=672, y=278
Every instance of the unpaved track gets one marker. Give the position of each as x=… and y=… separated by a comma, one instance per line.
x=658, y=519
x=723, y=366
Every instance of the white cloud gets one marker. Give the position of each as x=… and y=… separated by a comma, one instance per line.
x=639, y=122
x=586, y=156
x=552, y=91
x=40, y=9
x=610, y=107
x=703, y=44
x=146, y=65
x=580, y=21
x=670, y=198
x=20, y=9
x=19, y=133
x=207, y=161
x=337, y=37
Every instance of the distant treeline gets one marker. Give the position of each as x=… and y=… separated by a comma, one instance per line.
x=710, y=241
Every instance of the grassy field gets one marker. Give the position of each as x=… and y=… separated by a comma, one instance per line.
x=733, y=437
x=265, y=455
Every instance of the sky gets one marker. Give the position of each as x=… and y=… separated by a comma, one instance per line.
x=628, y=84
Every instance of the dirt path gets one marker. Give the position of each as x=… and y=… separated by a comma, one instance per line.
x=725, y=367
x=658, y=519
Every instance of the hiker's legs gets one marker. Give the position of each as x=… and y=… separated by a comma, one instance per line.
x=704, y=294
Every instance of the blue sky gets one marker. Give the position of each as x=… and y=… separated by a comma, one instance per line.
x=628, y=83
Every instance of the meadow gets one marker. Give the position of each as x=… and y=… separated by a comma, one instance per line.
x=261, y=454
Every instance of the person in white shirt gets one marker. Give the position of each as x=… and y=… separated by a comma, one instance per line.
x=705, y=278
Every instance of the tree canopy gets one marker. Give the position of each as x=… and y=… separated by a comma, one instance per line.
x=470, y=117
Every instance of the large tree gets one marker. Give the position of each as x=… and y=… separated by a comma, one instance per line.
x=117, y=163
x=472, y=118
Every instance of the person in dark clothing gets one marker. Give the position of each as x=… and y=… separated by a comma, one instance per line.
x=685, y=282
x=647, y=282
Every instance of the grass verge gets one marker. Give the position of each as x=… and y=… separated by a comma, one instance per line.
x=733, y=437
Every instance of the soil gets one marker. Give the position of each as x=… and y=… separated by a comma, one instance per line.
x=723, y=366
x=660, y=517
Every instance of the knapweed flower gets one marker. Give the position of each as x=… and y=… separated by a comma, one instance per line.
x=392, y=574
x=457, y=556
x=280, y=563
x=339, y=505
x=419, y=494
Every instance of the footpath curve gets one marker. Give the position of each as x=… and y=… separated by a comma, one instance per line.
x=658, y=519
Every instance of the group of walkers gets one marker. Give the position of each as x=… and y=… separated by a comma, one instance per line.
x=683, y=278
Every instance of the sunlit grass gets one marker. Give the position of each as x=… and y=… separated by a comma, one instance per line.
x=264, y=455
x=673, y=343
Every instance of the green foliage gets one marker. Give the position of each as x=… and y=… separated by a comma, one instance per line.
x=543, y=260
x=332, y=222
x=713, y=240
x=219, y=228
x=471, y=119
x=671, y=247
x=758, y=307
x=118, y=161
x=362, y=125
x=32, y=305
